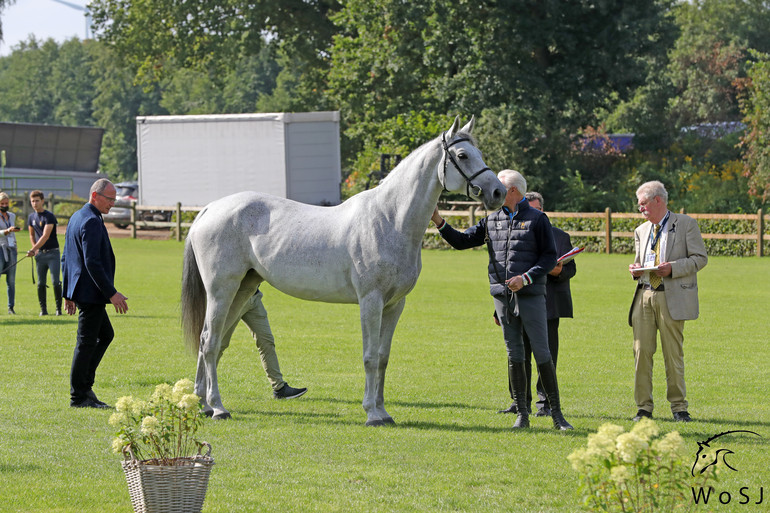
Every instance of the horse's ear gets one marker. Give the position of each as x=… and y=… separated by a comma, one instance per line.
x=469, y=127
x=453, y=129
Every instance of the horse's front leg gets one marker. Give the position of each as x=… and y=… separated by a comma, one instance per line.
x=390, y=316
x=206, y=384
x=371, y=321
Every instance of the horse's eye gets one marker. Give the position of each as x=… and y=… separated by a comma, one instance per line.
x=462, y=156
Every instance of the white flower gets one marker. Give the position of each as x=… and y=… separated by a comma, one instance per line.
x=602, y=443
x=579, y=460
x=620, y=474
x=118, y=444
x=189, y=402
x=162, y=391
x=181, y=388
x=645, y=429
x=118, y=419
x=670, y=446
x=138, y=406
x=124, y=403
x=629, y=445
x=150, y=426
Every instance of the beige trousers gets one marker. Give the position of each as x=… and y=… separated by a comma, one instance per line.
x=649, y=317
x=255, y=318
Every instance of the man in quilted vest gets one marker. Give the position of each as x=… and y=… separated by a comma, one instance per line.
x=521, y=253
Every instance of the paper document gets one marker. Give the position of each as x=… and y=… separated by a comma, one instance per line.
x=569, y=255
x=651, y=268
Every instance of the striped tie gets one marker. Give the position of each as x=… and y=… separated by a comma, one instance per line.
x=655, y=280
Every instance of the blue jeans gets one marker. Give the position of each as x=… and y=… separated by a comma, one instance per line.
x=50, y=260
x=10, y=274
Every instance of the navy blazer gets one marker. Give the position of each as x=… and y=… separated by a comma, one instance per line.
x=558, y=297
x=88, y=263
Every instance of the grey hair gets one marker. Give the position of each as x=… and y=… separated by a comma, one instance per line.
x=649, y=190
x=511, y=178
x=4, y=196
x=532, y=195
x=100, y=185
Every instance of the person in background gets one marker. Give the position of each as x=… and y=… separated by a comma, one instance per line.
x=45, y=249
x=8, y=250
x=89, y=275
x=254, y=315
x=558, y=303
x=665, y=297
x=521, y=253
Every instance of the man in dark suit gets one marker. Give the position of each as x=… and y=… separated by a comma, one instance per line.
x=88, y=265
x=558, y=303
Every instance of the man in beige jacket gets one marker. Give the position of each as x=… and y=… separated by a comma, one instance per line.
x=671, y=245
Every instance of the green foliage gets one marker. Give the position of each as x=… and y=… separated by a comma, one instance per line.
x=636, y=472
x=161, y=430
x=756, y=111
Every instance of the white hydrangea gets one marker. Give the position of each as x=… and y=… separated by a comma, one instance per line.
x=150, y=426
x=646, y=429
x=181, y=388
x=124, y=403
x=629, y=445
x=118, y=419
x=670, y=446
x=162, y=391
x=620, y=474
x=189, y=402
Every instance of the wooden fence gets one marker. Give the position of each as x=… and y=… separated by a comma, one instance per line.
x=467, y=209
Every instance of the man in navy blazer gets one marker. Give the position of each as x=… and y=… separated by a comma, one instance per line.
x=88, y=265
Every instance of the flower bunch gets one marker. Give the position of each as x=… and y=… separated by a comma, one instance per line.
x=635, y=471
x=162, y=429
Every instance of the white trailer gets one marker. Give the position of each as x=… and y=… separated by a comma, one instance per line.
x=198, y=159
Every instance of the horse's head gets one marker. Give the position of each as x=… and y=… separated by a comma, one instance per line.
x=709, y=456
x=462, y=168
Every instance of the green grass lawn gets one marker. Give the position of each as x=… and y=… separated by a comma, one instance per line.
x=450, y=451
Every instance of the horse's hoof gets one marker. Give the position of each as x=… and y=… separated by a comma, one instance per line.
x=375, y=423
x=208, y=413
x=389, y=421
x=222, y=416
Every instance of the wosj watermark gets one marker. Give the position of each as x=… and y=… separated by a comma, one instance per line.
x=715, y=453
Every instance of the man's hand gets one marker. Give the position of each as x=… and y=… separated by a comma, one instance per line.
x=119, y=302
x=31, y=252
x=556, y=271
x=664, y=269
x=632, y=269
x=69, y=306
x=516, y=283
x=436, y=218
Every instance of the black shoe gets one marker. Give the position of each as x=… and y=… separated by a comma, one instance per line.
x=511, y=409
x=641, y=414
x=682, y=416
x=43, y=313
x=91, y=395
x=545, y=411
x=89, y=403
x=58, y=311
x=10, y=311
x=287, y=392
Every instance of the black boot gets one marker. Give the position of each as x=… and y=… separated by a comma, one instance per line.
x=41, y=297
x=551, y=386
x=512, y=408
x=517, y=375
x=57, y=297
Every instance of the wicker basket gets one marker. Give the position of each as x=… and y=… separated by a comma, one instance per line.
x=178, y=488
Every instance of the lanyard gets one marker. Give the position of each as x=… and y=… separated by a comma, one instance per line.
x=660, y=232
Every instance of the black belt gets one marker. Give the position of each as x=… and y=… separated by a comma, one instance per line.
x=44, y=251
x=647, y=286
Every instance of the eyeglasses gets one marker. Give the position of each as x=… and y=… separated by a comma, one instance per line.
x=643, y=204
x=108, y=198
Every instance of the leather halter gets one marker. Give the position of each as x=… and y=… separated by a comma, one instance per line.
x=468, y=179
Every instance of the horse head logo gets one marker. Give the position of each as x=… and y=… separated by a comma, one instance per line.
x=710, y=454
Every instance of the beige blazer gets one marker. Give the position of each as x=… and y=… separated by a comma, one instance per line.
x=687, y=254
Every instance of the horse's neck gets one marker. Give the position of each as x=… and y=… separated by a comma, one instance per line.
x=410, y=193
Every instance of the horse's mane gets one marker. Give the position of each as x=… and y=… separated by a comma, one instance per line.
x=418, y=151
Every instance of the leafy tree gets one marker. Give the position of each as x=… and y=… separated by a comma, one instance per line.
x=756, y=141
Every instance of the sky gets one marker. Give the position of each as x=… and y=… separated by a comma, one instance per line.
x=44, y=19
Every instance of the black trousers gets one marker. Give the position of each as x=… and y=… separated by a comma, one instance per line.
x=553, y=346
x=94, y=336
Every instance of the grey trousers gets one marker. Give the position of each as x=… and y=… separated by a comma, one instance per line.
x=526, y=312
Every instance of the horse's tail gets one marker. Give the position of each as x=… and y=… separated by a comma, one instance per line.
x=193, y=299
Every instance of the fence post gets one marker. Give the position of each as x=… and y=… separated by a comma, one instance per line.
x=51, y=202
x=179, y=221
x=608, y=228
x=760, y=232
x=133, y=219
x=472, y=215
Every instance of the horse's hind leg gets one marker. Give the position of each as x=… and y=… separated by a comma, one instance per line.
x=371, y=322
x=222, y=315
x=390, y=316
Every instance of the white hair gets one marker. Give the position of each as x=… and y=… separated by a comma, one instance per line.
x=511, y=178
x=649, y=190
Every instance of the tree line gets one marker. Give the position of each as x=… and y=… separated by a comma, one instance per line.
x=549, y=81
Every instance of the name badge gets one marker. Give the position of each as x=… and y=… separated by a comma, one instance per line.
x=649, y=260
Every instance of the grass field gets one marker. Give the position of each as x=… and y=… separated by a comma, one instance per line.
x=447, y=377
